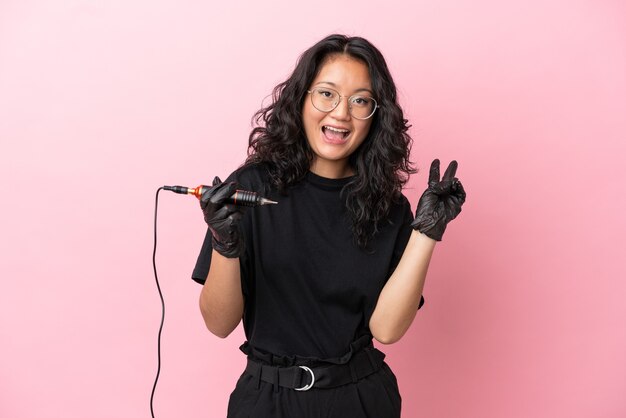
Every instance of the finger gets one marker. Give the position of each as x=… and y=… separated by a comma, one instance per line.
x=209, y=192
x=234, y=208
x=223, y=192
x=460, y=191
x=231, y=212
x=235, y=216
x=223, y=213
x=450, y=171
x=434, y=172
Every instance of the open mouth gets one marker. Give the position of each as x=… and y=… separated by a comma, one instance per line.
x=335, y=134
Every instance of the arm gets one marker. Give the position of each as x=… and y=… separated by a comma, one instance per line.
x=221, y=299
x=400, y=297
x=399, y=300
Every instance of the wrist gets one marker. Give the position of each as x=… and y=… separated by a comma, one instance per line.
x=422, y=237
x=229, y=250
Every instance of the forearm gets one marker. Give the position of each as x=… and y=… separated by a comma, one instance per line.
x=221, y=300
x=399, y=300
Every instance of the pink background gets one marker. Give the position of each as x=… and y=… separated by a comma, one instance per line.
x=102, y=102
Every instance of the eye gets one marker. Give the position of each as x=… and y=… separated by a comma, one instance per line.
x=326, y=94
x=361, y=101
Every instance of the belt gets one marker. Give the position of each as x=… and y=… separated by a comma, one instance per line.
x=302, y=378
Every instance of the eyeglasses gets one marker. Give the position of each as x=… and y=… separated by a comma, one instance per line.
x=326, y=100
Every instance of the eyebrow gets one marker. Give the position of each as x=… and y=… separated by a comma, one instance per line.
x=334, y=85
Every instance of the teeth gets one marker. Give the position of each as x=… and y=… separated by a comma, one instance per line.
x=337, y=129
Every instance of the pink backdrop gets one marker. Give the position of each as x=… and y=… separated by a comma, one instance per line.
x=101, y=102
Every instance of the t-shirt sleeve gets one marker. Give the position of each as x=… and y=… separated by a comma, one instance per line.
x=201, y=270
x=203, y=263
x=403, y=238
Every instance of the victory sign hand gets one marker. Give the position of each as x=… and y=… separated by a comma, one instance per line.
x=440, y=203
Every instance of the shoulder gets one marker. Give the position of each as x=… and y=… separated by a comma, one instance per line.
x=252, y=176
x=402, y=201
x=401, y=208
x=400, y=214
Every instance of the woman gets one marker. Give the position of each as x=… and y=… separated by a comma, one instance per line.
x=340, y=259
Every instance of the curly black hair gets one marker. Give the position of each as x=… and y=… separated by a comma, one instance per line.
x=381, y=163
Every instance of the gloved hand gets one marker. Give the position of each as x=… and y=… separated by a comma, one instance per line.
x=440, y=203
x=222, y=218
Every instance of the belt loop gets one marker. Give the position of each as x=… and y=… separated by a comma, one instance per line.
x=258, y=377
x=352, y=371
x=370, y=356
x=275, y=379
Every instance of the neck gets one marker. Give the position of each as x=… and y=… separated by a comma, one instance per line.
x=331, y=171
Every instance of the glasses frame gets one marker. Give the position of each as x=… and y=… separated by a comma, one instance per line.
x=310, y=92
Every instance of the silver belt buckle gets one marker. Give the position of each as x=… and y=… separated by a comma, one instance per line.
x=310, y=385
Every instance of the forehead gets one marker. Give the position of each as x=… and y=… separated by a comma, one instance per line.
x=344, y=71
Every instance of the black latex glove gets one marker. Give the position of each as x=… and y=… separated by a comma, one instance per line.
x=222, y=218
x=440, y=203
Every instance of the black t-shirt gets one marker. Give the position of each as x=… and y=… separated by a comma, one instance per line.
x=309, y=290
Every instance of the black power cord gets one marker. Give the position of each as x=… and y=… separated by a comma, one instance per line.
x=156, y=278
x=240, y=197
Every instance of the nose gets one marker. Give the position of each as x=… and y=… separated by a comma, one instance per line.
x=342, y=111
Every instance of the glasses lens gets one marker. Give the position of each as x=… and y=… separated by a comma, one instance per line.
x=324, y=99
x=362, y=107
